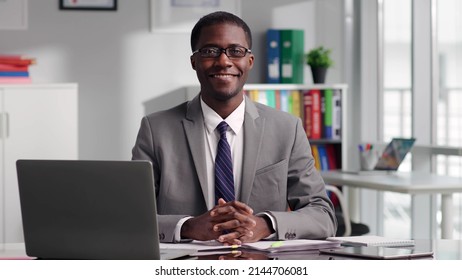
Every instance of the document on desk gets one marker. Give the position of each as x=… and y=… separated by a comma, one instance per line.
x=262, y=246
x=290, y=245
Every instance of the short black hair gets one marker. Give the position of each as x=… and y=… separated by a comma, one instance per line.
x=219, y=17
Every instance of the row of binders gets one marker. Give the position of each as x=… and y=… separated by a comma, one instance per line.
x=320, y=110
x=285, y=56
x=14, y=69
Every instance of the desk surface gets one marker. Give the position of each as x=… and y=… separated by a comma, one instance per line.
x=402, y=182
x=444, y=249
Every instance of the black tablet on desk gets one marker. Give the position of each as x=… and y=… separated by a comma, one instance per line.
x=379, y=253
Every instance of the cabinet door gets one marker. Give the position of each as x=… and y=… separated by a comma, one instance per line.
x=42, y=124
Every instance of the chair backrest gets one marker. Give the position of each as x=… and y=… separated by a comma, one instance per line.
x=343, y=206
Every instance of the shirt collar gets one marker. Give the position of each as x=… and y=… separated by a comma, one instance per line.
x=235, y=120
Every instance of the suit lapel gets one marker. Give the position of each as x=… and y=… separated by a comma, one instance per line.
x=194, y=129
x=253, y=137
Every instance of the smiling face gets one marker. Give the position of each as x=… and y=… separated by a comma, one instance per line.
x=222, y=79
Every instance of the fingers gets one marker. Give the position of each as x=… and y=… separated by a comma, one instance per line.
x=235, y=230
x=232, y=238
x=240, y=206
x=221, y=201
x=260, y=231
x=235, y=233
x=233, y=220
x=200, y=228
x=229, y=207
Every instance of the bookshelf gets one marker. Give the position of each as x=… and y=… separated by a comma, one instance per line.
x=336, y=142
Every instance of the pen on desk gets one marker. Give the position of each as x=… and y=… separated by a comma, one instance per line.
x=360, y=147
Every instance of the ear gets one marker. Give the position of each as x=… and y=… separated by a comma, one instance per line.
x=193, y=62
x=251, y=60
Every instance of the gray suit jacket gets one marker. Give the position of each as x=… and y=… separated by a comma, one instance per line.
x=278, y=169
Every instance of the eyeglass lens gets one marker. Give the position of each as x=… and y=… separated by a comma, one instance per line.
x=233, y=52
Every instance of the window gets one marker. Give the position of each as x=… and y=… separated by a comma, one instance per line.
x=397, y=103
x=449, y=45
x=449, y=95
x=445, y=72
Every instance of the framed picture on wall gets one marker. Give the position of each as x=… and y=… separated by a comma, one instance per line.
x=99, y=5
x=13, y=14
x=181, y=15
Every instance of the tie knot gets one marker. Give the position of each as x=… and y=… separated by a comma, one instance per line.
x=222, y=127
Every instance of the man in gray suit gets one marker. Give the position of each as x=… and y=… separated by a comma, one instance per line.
x=278, y=192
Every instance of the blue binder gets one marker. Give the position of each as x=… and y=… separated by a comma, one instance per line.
x=273, y=74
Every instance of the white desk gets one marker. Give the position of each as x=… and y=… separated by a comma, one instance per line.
x=443, y=249
x=405, y=182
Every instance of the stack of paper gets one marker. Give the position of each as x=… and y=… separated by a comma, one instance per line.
x=214, y=247
x=290, y=245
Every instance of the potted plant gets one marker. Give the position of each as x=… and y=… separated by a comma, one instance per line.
x=319, y=60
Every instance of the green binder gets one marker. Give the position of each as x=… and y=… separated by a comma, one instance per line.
x=292, y=54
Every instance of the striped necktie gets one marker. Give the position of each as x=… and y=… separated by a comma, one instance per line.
x=224, y=180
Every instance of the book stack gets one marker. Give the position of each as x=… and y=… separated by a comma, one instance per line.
x=320, y=112
x=319, y=109
x=325, y=156
x=14, y=69
x=285, y=100
x=285, y=56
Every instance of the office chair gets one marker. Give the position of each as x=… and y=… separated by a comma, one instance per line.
x=345, y=226
x=343, y=207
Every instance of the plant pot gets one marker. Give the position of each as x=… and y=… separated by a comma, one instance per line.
x=319, y=74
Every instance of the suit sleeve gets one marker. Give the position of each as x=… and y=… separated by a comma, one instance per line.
x=144, y=150
x=311, y=212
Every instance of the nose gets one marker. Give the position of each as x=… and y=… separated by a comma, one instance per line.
x=223, y=59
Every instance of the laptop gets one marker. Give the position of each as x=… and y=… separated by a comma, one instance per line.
x=391, y=157
x=394, y=154
x=77, y=209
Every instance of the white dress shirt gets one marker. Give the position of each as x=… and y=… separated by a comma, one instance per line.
x=235, y=137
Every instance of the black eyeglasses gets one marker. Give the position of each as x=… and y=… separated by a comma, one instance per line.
x=231, y=52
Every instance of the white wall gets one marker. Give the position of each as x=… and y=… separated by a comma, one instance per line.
x=113, y=57
x=121, y=66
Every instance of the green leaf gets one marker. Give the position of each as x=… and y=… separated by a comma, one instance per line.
x=319, y=57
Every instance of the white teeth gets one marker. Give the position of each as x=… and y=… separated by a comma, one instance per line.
x=222, y=76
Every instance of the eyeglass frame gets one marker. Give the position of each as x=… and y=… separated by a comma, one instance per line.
x=222, y=50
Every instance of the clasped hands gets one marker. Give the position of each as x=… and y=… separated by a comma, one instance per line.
x=231, y=223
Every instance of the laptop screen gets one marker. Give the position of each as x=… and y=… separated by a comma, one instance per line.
x=394, y=153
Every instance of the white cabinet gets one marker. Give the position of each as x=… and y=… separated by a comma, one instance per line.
x=36, y=122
